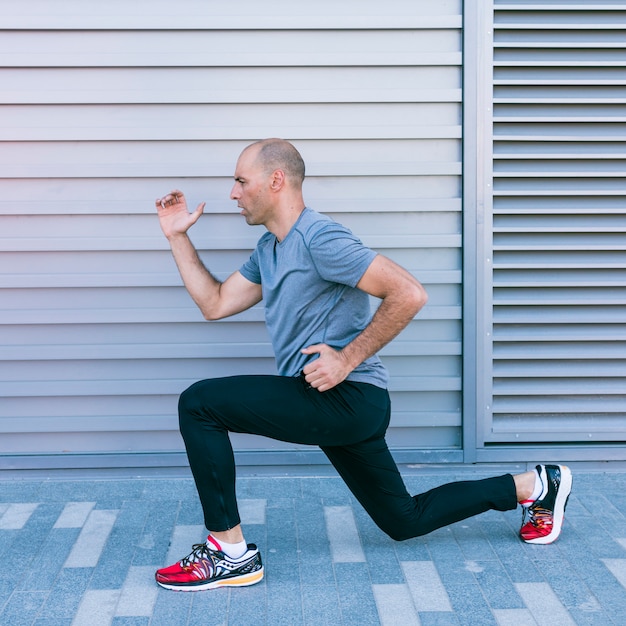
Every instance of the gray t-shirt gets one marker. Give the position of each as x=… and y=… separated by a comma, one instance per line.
x=309, y=290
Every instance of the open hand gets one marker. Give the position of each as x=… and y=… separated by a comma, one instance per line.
x=174, y=217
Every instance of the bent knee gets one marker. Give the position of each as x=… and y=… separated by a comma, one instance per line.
x=406, y=523
x=191, y=404
x=404, y=534
x=186, y=400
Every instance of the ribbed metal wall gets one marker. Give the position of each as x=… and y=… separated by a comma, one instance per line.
x=105, y=106
x=556, y=254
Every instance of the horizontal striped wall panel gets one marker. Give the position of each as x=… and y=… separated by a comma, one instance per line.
x=238, y=14
x=102, y=111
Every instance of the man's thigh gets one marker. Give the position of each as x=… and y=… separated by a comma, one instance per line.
x=287, y=409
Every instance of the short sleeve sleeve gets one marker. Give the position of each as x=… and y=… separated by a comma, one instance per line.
x=250, y=269
x=338, y=255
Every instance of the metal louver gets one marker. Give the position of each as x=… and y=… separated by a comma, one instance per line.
x=558, y=253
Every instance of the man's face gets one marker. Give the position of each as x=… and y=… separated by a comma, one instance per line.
x=251, y=189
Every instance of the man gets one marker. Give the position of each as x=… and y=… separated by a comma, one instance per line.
x=315, y=279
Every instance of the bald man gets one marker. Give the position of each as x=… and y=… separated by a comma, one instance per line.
x=315, y=279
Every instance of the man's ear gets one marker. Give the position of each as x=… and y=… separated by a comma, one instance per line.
x=278, y=180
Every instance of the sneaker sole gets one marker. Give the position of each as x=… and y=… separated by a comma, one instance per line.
x=565, y=487
x=237, y=581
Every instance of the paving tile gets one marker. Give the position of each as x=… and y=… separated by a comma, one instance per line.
x=619, y=501
x=190, y=512
x=470, y=606
x=568, y=586
x=42, y=520
x=138, y=594
x=6, y=591
x=345, y=544
x=24, y=546
x=97, y=608
x=173, y=608
x=281, y=554
x=442, y=545
x=594, y=617
x=589, y=483
x=74, y=515
x=130, y=621
x=496, y=586
x=314, y=570
x=90, y=543
x=310, y=527
x=600, y=581
x=284, y=601
x=15, y=491
x=90, y=490
x=472, y=536
x=320, y=603
x=576, y=510
x=438, y=619
x=47, y=564
x=209, y=608
x=22, y=609
x=269, y=489
x=514, y=617
x=356, y=597
x=426, y=587
x=378, y=547
x=65, y=596
x=111, y=570
x=518, y=565
x=154, y=541
x=617, y=567
x=168, y=489
x=593, y=537
x=247, y=604
x=313, y=548
x=252, y=510
x=324, y=487
x=182, y=540
x=546, y=608
x=412, y=550
x=281, y=566
x=453, y=572
x=611, y=515
x=384, y=567
x=16, y=515
x=395, y=605
x=345, y=500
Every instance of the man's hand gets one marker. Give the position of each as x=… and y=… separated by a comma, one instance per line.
x=174, y=217
x=328, y=370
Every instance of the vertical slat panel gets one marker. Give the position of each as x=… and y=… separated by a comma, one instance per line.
x=558, y=247
x=105, y=106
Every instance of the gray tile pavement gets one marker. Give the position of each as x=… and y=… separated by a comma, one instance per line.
x=82, y=550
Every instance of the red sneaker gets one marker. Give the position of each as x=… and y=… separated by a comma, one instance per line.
x=545, y=515
x=206, y=568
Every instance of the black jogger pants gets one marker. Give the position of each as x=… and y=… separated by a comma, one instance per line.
x=347, y=422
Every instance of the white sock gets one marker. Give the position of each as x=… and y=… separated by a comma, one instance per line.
x=536, y=491
x=233, y=550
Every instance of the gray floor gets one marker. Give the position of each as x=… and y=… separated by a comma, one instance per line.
x=83, y=550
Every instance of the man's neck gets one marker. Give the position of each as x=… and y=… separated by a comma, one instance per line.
x=281, y=227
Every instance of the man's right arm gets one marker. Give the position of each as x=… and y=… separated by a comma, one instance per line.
x=214, y=298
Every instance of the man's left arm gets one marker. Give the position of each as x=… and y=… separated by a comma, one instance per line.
x=402, y=297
